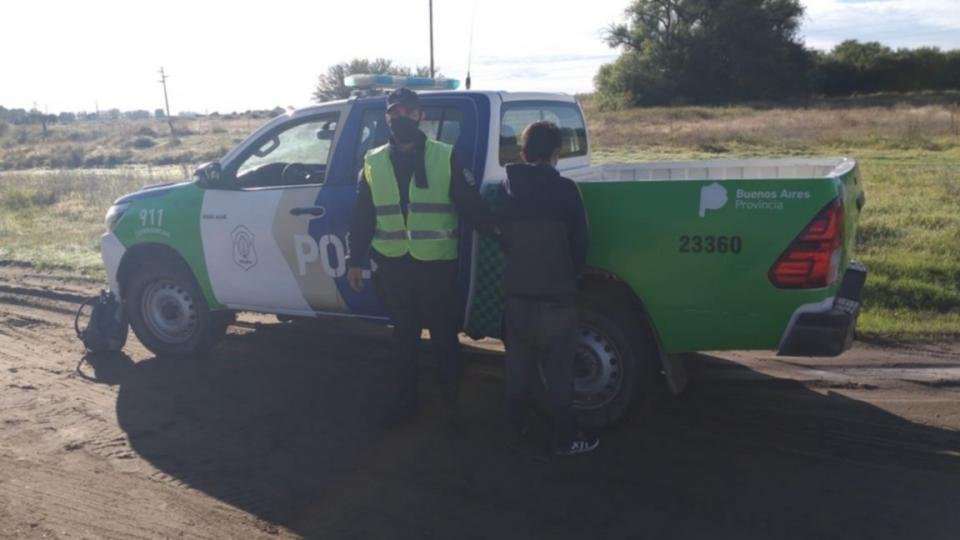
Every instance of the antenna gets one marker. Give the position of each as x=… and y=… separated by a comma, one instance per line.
x=431, y=39
x=473, y=23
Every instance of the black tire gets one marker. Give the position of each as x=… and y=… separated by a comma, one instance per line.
x=617, y=365
x=168, y=312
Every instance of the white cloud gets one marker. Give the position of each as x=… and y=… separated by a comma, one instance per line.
x=899, y=23
x=69, y=55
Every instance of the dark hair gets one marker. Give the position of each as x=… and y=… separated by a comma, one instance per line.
x=539, y=141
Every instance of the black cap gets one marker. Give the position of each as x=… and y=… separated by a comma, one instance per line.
x=403, y=96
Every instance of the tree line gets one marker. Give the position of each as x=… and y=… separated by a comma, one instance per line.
x=729, y=51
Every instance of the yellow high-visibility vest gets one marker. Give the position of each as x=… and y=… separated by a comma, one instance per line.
x=429, y=232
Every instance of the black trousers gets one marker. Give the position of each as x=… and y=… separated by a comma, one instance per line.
x=419, y=295
x=542, y=332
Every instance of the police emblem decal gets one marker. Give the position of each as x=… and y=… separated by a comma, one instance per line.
x=244, y=248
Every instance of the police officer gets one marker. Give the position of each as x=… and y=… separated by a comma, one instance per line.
x=411, y=194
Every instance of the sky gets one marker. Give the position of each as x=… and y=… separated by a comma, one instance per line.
x=233, y=56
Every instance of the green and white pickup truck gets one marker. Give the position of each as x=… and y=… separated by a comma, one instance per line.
x=685, y=256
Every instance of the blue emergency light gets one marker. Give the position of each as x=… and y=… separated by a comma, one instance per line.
x=365, y=81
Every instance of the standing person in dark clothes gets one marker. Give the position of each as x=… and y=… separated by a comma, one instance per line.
x=411, y=194
x=544, y=235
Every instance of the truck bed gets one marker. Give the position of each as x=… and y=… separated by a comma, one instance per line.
x=696, y=241
x=720, y=169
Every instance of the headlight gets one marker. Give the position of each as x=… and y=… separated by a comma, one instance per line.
x=114, y=214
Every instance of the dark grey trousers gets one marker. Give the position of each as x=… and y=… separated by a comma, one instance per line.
x=421, y=295
x=542, y=332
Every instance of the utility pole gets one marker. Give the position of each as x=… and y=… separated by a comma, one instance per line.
x=166, y=100
x=431, y=39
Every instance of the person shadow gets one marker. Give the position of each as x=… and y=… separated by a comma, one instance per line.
x=280, y=422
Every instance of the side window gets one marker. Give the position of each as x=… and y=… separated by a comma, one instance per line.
x=517, y=116
x=373, y=133
x=441, y=123
x=297, y=155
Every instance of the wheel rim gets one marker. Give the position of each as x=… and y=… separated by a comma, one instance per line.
x=169, y=311
x=597, y=370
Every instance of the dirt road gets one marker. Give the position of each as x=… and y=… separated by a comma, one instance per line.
x=273, y=435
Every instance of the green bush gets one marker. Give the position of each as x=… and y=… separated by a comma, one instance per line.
x=143, y=143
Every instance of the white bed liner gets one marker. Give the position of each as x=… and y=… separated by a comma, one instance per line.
x=720, y=169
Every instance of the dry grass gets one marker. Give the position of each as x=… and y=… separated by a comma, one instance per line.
x=779, y=131
x=110, y=144
x=55, y=218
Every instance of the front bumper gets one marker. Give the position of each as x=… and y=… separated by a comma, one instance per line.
x=828, y=332
x=111, y=251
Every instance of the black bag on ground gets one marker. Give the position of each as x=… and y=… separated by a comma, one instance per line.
x=106, y=330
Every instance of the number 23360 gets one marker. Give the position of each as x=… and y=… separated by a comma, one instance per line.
x=711, y=244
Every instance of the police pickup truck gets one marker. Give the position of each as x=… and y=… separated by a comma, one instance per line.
x=684, y=256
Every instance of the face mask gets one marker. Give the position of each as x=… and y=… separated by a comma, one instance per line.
x=403, y=129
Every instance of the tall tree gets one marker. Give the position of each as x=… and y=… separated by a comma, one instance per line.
x=705, y=51
x=331, y=86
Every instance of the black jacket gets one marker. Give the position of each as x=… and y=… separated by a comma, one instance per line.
x=544, y=231
x=406, y=167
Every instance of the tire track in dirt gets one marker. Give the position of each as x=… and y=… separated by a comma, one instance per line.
x=82, y=418
x=273, y=426
x=69, y=418
x=53, y=408
x=114, y=507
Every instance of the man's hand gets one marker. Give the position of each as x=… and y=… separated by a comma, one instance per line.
x=355, y=278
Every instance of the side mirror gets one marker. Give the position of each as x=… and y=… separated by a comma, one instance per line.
x=208, y=174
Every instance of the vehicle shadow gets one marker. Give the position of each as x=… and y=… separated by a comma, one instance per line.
x=280, y=422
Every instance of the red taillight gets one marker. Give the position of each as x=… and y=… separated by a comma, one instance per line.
x=813, y=259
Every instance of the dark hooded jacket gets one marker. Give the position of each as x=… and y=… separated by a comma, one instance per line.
x=544, y=232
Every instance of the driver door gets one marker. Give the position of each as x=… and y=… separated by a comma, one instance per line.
x=255, y=228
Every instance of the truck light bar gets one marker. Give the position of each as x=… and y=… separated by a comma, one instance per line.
x=365, y=81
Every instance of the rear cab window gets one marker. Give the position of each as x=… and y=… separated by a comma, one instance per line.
x=516, y=116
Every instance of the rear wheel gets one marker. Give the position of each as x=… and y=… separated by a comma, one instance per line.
x=617, y=362
x=168, y=313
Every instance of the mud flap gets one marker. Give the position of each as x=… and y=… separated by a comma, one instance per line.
x=827, y=329
x=675, y=371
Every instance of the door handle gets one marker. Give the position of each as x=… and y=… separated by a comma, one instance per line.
x=316, y=211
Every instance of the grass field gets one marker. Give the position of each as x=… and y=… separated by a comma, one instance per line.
x=55, y=218
x=108, y=144
x=909, y=154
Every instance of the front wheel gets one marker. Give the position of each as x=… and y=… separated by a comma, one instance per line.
x=168, y=313
x=617, y=362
